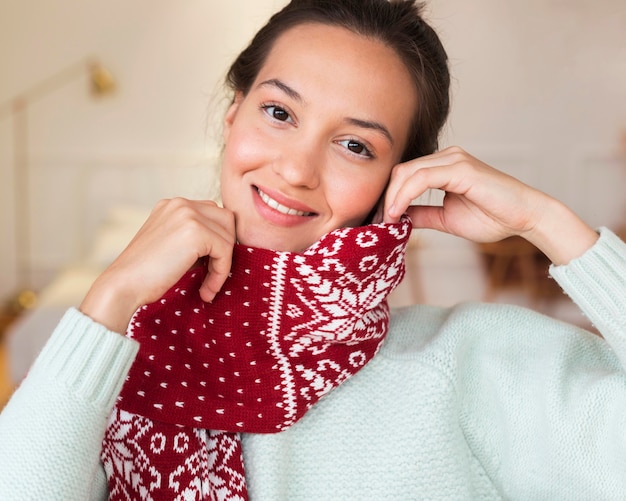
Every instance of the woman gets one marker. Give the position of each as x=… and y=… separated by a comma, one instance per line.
x=334, y=121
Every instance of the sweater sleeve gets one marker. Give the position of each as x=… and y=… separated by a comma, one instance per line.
x=52, y=428
x=543, y=403
x=596, y=282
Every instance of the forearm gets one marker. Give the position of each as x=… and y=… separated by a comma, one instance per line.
x=51, y=430
x=560, y=234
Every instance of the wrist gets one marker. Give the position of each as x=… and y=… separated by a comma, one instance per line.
x=109, y=304
x=560, y=234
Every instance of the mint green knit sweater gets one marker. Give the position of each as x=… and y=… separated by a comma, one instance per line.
x=471, y=402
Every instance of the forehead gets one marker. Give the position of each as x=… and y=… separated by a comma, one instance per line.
x=346, y=50
x=345, y=70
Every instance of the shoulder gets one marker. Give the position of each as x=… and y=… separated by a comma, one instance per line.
x=422, y=322
x=418, y=325
x=472, y=334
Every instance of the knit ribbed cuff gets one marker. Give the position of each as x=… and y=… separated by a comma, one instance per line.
x=596, y=281
x=87, y=358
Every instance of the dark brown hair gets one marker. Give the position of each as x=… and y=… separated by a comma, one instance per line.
x=396, y=23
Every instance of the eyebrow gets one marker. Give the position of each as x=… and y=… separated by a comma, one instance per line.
x=364, y=124
x=274, y=82
x=367, y=124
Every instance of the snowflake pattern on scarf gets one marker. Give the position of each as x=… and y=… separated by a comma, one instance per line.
x=285, y=329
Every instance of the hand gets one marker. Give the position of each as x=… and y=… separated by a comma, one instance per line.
x=483, y=204
x=176, y=234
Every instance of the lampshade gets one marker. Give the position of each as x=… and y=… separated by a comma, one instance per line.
x=101, y=80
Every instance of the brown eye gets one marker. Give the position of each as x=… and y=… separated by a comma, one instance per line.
x=281, y=115
x=277, y=113
x=356, y=147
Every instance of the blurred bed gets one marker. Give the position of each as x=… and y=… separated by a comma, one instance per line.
x=29, y=333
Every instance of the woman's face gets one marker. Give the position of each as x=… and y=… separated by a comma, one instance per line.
x=310, y=147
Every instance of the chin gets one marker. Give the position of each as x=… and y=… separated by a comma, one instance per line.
x=276, y=243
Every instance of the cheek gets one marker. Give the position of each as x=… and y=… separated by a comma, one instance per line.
x=234, y=166
x=241, y=149
x=354, y=197
x=242, y=153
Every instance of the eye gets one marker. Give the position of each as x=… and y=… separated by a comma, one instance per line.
x=356, y=147
x=277, y=113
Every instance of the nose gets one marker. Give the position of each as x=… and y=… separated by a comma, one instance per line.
x=300, y=164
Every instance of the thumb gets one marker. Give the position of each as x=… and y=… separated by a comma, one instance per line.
x=218, y=272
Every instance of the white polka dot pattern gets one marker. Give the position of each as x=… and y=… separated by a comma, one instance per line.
x=285, y=329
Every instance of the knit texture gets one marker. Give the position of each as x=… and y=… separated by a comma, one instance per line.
x=77, y=376
x=284, y=331
x=467, y=403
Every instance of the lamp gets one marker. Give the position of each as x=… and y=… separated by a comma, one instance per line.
x=101, y=83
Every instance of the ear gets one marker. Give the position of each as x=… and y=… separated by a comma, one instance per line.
x=231, y=113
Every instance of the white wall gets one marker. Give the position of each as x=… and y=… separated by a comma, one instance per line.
x=168, y=58
x=539, y=91
x=543, y=78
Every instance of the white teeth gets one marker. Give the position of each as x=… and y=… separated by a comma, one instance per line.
x=281, y=208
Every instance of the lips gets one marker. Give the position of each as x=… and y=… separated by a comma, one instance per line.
x=283, y=209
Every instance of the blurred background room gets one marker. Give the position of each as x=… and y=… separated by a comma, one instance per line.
x=106, y=107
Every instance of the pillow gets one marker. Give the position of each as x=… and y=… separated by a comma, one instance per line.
x=112, y=237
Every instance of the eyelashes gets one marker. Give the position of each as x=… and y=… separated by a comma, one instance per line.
x=354, y=146
x=278, y=113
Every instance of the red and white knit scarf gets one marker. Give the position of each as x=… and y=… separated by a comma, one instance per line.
x=285, y=329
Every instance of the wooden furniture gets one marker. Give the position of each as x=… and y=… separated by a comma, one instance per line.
x=514, y=263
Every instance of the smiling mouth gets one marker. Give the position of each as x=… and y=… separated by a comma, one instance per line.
x=269, y=201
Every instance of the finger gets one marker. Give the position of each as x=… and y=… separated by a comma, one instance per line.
x=452, y=178
x=218, y=271
x=391, y=212
x=219, y=262
x=427, y=217
x=406, y=186
x=206, y=230
x=396, y=204
x=220, y=259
